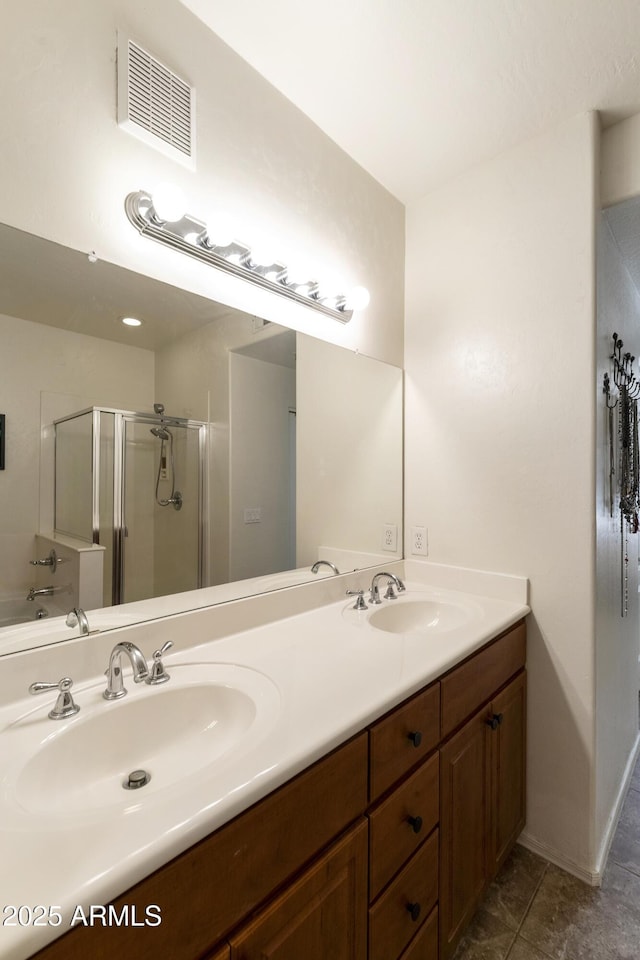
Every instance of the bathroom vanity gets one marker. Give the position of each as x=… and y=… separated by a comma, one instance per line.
x=372, y=785
x=375, y=851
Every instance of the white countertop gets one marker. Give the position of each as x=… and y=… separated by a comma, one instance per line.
x=332, y=674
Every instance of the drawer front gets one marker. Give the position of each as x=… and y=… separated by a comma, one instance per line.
x=399, y=741
x=391, y=923
x=402, y=822
x=471, y=684
x=425, y=945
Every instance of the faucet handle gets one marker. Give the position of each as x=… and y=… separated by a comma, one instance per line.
x=65, y=706
x=158, y=673
x=359, y=604
x=78, y=618
x=51, y=560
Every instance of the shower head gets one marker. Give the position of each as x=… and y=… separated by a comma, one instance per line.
x=161, y=433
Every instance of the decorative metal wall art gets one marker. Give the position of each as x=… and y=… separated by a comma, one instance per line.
x=624, y=454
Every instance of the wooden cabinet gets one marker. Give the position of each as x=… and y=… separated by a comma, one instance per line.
x=401, y=823
x=403, y=835
x=465, y=826
x=424, y=945
x=321, y=915
x=400, y=911
x=379, y=851
x=508, y=753
x=403, y=738
x=482, y=805
x=223, y=954
x=465, y=688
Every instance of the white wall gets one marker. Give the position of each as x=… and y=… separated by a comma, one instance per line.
x=261, y=395
x=500, y=400
x=349, y=452
x=282, y=181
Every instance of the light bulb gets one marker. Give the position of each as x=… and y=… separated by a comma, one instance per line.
x=261, y=257
x=358, y=299
x=168, y=202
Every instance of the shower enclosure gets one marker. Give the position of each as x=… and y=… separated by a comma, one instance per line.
x=135, y=484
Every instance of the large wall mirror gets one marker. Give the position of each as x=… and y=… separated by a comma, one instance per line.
x=203, y=456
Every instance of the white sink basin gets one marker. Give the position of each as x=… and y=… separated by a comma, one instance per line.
x=204, y=714
x=423, y=616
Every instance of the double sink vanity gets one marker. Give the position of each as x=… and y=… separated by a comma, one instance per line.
x=312, y=780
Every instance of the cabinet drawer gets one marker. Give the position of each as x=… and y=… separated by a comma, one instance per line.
x=424, y=946
x=400, y=740
x=395, y=832
x=391, y=925
x=471, y=684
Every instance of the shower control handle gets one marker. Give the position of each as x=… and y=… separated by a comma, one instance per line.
x=52, y=560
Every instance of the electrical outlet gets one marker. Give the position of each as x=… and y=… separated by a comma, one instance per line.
x=252, y=514
x=419, y=544
x=390, y=537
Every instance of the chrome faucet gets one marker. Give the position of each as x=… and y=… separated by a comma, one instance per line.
x=42, y=592
x=326, y=563
x=115, y=687
x=78, y=618
x=389, y=595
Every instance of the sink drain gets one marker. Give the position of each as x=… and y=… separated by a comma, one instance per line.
x=136, y=779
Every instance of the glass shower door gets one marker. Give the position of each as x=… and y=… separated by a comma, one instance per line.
x=161, y=542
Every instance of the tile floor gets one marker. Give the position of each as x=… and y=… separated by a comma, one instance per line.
x=535, y=911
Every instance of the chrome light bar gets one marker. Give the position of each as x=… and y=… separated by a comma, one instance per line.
x=191, y=236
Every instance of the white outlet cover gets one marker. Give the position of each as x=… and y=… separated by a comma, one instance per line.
x=419, y=544
x=390, y=537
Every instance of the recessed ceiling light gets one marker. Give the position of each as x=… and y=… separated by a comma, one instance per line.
x=132, y=321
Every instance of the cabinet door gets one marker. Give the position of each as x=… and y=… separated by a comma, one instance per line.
x=508, y=751
x=321, y=915
x=465, y=790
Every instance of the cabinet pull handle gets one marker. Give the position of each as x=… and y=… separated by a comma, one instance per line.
x=494, y=721
x=415, y=823
x=414, y=910
x=415, y=737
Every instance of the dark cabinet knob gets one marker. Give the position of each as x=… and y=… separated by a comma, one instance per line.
x=494, y=721
x=415, y=823
x=414, y=910
x=415, y=737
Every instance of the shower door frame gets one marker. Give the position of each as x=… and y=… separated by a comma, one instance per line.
x=119, y=527
x=120, y=416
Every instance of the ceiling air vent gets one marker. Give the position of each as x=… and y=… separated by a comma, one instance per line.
x=155, y=104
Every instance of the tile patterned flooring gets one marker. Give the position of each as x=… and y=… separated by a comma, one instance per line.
x=535, y=911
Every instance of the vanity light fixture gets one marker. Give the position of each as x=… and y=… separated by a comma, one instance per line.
x=191, y=236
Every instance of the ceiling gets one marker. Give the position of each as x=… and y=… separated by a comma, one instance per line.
x=417, y=91
x=60, y=287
